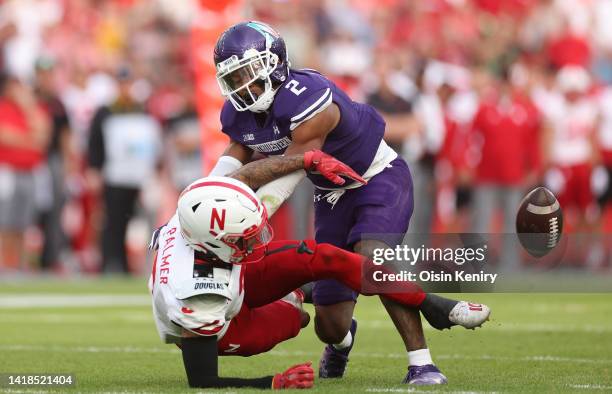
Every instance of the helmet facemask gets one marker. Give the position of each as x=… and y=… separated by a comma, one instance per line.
x=237, y=78
x=233, y=247
x=253, y=243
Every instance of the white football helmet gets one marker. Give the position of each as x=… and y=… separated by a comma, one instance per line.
x=223, y=216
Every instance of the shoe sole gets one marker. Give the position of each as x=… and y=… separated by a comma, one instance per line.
x=483, y=322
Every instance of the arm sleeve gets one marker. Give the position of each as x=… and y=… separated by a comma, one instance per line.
x=95, y=149
x=274, y=194
x=225, y=165
x=201, y=365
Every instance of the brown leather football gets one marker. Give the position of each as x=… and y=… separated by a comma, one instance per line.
x=539, y=222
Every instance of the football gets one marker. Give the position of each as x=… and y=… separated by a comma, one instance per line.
x=539, y=222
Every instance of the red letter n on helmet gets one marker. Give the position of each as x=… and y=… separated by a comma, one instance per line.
x=216, y=219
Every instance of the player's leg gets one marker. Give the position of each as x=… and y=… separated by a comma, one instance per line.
x=407, y=321
x=382, y=210
x=333, y=322
x=288, y=267
x=285, y=267
x=390, y=192
x=292, y=264
x=257, y=330
x=334, y=302
x=334, y=311
x=334, y=325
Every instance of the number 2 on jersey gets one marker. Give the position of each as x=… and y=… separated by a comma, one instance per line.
x=293, y=86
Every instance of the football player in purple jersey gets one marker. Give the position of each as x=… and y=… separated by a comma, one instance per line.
x=307, y=126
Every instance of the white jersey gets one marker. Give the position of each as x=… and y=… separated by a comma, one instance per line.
x=573, y=126
x=203, y=301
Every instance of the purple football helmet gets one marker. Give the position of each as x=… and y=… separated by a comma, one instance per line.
x=251, y=54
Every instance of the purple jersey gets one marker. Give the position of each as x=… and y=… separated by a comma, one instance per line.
x=306, y=93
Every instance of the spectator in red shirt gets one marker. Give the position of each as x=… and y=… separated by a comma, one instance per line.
x=24, y=134
x=508, y=128
x=507, y=125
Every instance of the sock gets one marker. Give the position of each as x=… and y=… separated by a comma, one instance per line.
x=419, y=357
x=307, y=290
x=346, y=342
x=435, y=310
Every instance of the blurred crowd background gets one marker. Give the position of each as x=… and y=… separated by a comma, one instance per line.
x=485, y=99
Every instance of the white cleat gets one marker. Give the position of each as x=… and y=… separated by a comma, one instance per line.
x=469, y=315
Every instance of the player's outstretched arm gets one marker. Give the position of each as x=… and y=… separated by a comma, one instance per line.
x=201, y=365
x=275, y=193
x=303, y=153
x=234, y=156
x=260, y=172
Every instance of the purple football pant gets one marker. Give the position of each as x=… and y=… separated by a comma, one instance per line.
x=381, y=210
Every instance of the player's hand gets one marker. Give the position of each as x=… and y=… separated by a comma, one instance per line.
x=330, y=167
x=299, y=376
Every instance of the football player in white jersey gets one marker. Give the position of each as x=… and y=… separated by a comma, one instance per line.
x=219, y=284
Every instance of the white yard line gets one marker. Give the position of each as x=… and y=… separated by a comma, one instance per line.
x=88, y=349
x=174, y=350
x=44, y=300
x=528, y=358
x=460, y=357
x=144, y=317
x=414, y=390
x=72, y=300
x=590, y=387
x=494, y=326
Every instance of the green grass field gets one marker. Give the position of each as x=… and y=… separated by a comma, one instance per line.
x=534, y=343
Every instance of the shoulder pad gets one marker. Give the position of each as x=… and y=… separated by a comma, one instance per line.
x=228, y=118
x=305, y=94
